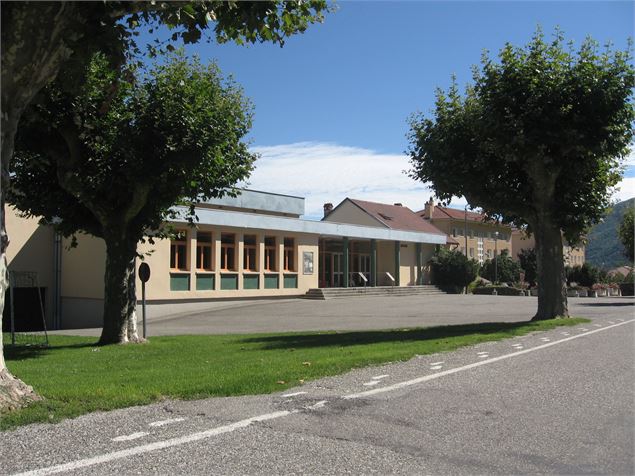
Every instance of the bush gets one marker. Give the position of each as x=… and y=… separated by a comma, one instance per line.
x=452, y=270
x=508, y=269
x=586, y=275
x=529, y=264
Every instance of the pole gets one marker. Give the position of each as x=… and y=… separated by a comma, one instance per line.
x=495, y=257
x=143, y=306
x=465, y=230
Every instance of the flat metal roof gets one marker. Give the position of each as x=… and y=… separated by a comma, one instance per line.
x=264, y=201
x=268, y=222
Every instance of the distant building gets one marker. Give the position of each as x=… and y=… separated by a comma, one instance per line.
x=476, y=236
x=573, y=255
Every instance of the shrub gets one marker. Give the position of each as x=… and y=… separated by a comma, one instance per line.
x=451, y=269
x=500, y=290
x=585, y=275
x=529, y=264
x=508, y=269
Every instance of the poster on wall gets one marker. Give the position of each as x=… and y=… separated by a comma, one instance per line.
x=307, y=262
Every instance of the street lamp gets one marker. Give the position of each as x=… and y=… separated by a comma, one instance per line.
x=495, y=257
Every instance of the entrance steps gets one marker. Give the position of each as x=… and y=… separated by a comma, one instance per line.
x=334, y=293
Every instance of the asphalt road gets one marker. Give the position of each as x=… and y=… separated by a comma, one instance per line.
x=557, y=402
x=376, y=312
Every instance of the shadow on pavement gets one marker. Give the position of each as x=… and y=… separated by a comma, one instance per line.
x=340, y=339
x=606, y=304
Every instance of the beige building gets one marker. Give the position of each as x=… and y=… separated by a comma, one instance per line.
x=573, y=256
x=250, y=246
x=476, y=236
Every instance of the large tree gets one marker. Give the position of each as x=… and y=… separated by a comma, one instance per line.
x=626, y=233
x=536, y=140
x=112, y=160
x=39, y=38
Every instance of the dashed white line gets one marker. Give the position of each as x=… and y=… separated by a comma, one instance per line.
x=136, y=450
x=436, y=367
x=371, y=383
x=426, y=378
x=294, y=394
x=482, y=353
x=611, y=322
x=169, y=421
x=133, y=436
x=437, y=363
x=545, y=339
x=584, y=329
x=597, y=325
x=317, y=405
x=483, y=356
x=379, y=377
x=565, y=333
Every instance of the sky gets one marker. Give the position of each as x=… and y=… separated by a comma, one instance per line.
x=332, y=105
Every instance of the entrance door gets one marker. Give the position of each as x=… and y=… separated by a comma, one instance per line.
x=338, y=273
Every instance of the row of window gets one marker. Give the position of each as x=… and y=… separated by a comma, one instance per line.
x=229, y=251
x=480, y=234
x=489, y=254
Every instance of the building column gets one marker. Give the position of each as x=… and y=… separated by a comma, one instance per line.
x=373, y=263
x=397, y=262
x=345, y=260
x=419, y=276
x=260, y=256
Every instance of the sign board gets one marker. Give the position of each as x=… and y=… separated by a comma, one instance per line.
x=144, y=272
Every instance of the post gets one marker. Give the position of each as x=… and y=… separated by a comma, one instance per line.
x=143, y=306
x=373, y=263
x=465, y=230
x=345, y=259
x=397, y=262
x=495, y=257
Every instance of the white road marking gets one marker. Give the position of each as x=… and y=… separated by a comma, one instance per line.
x=597, y=325
x=158, y=445
x=293, y=394
x=621, y=320
x=436, y=367
x=482, y=353
x=584, y=329
x=166, y=422
x=426, y=378
x=133, y=436
x=483, y=356
x=371, y=383
x=379, y=377
x=317, y=405
x=437, y=363
x=565, y=333
x=611, y=322
x=545, y=339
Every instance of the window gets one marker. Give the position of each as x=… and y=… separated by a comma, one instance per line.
x=204, y=251
x=289, y=252
x=270, y=253
x=249, y=253
x=227, y=252
x=178, y=251
x=471, y=252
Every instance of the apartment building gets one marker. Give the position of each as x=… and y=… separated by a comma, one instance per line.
x=573, y=255
x=476, y=236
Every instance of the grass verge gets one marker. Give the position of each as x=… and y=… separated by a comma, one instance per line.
x=76, y=377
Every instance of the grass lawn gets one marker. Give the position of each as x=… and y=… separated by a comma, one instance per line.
x=76, y=377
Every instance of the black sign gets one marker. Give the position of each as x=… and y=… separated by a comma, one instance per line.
x=144, y=272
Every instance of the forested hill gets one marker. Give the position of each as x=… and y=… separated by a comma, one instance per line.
x=604, y=247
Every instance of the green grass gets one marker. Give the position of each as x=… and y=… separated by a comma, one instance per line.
x=77, y=377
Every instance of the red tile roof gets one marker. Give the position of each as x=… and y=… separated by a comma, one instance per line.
x=397, y=217
x=453, y=213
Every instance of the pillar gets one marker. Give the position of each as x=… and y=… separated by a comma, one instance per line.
x=419, y=276
x=345, y=260
x=373, y=263
x=397, y=262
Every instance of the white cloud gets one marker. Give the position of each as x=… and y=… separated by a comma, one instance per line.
x=325, y=172
x=626, y=189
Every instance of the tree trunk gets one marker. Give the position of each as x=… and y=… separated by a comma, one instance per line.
x=120, y=320
x=552, y=283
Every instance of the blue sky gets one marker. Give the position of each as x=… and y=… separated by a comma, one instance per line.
x=331, y=107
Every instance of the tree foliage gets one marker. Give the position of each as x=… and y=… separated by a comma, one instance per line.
x=527, y=259
x=452, y=269
x=124, y=152
x=537, y=140
x=626, y=231
x=503, y=266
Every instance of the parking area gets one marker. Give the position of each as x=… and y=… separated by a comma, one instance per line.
x=364, y=313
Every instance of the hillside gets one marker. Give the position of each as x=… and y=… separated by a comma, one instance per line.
x=604, y=247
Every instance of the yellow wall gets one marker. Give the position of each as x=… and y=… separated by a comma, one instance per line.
x=158, y=287
x=572, y=256
x=489, y=244
x=347, y=212
x=407, y=264
x=83, y=268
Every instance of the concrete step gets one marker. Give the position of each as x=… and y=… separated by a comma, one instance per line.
x=334, y=293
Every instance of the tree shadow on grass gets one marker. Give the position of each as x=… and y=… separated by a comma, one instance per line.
x=342, y=339
x=25, y=352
